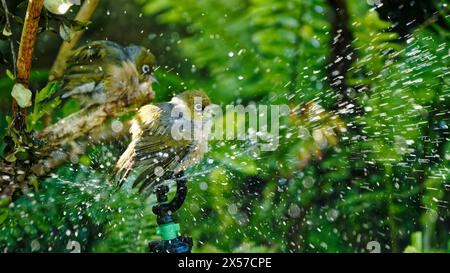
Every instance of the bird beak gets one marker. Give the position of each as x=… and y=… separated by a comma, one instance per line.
x=154, y=80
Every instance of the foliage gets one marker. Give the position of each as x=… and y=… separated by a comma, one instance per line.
x=40, y=107
x=87, y=211
x=339, y=178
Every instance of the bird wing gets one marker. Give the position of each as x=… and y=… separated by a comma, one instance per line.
x=86, y=68
x=152, y=151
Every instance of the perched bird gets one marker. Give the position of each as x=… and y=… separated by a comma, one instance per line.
x=103, y=71
x=156, y=151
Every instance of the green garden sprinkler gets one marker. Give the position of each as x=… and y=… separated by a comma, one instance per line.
x=172, y=241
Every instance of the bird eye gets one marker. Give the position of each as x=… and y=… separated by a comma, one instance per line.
x=145, y=68
x=198, y=107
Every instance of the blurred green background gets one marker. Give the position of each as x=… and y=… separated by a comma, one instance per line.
x=370, y=82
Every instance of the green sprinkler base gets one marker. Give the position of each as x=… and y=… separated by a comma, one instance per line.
x=168, y=231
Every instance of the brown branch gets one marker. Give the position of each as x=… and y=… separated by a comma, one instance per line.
x=80, y=123
x=82, y=128
x=59, y=66
x=86, y=125
x=13, y=174
x=84, y=14
x=61, y=154
x=57, y=141
x=27, y=42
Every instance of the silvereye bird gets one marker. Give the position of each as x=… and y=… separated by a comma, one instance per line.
x=103, y=71
x=156, y=152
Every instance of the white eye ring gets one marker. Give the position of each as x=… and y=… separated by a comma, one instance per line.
x=198, y=107
x=145, y=68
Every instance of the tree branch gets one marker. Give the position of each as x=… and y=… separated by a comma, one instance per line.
x=72, y=149
x=81, y=122
x=84, y=14
x=85, y=127
x=27, y=42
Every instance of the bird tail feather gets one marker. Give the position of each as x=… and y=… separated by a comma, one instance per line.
x=124, y=165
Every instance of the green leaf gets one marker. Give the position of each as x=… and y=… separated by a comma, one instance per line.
x=46, y=92
x=3, y=214
x=32, y=180
x=17, y=19
x=66, y=32
x=22, y=4
x=7, y=31
x=4, y=201
x=10, y=74
x=416, y=240
x=40, y=107
x=77, y=25
x=11, y=157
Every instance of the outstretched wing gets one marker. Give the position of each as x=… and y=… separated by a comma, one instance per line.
x=86, y=68
x=152, y=151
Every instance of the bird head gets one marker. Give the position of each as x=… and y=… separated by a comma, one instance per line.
x=195, y=100
x=145, y=62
